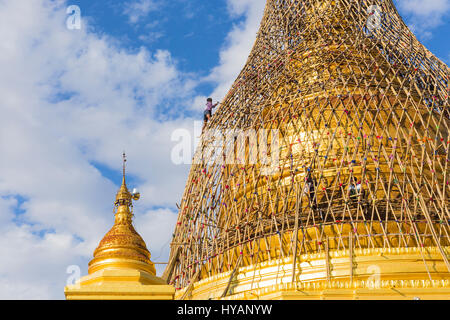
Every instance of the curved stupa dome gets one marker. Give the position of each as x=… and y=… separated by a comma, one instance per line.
x=122, y=246
x=347, y=113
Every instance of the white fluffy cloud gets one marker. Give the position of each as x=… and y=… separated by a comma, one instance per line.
x=425, y=8
x=422, y=16
x=153, y=226
x=137, y=9
x=72, y=99
x=237, y=45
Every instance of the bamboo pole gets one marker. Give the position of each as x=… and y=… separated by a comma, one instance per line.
x=350, y=104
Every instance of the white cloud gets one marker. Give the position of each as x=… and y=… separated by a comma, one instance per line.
x=153, y=226
x=423, y=16
x=33, y=267
x=71, y=98
x=236, y=48
x=137, y=9
x=424, y=8
x=238, y=44
x=150, y=37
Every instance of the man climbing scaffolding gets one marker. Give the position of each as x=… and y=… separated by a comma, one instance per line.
x=208, y=111
x=310, y=189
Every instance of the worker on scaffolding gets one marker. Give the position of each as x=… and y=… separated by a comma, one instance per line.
x=355, y=189
x=310, y=189
x=208, y=111
x=357, y=194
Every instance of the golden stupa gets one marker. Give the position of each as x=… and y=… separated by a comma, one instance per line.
x=121, y=267
x=356, y=204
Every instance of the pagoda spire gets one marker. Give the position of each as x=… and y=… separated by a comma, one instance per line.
x=361, y=113
x=122, y=245
x=124, y=161
x=121, y=267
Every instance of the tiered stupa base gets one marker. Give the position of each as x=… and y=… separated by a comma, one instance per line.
x=396, y=273
x=120, y=284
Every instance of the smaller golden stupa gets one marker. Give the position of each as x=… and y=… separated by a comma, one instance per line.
x=121, y=267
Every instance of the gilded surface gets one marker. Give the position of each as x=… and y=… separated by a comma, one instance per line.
x=122, y=245
x=377, y=274
x=361, y=112
x=121, y=268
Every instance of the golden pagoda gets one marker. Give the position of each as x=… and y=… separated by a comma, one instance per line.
x=356, y=204
x=121, y=268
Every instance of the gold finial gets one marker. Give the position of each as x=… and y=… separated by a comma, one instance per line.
x=124, y=158
x=122, y=245
x=124, y=196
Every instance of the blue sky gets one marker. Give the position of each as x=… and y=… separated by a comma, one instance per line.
x=193, y=31
x=136, y=72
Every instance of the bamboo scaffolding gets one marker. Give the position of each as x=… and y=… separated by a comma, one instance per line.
x=363, y=120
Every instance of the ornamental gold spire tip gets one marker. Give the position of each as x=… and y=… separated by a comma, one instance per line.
x=124, y=160
x=123, y=196
x=122, y=246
